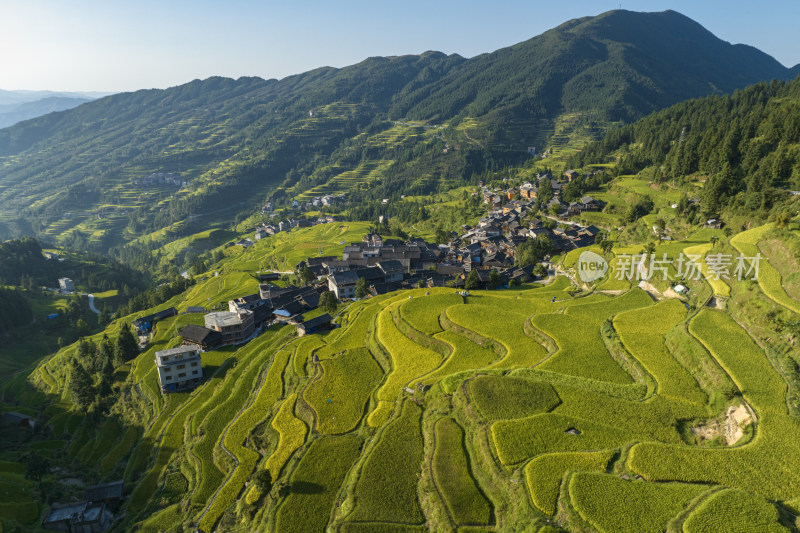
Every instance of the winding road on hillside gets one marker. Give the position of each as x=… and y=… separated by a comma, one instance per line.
x=91, y=304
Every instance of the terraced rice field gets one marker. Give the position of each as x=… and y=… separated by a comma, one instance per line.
x=428, y=411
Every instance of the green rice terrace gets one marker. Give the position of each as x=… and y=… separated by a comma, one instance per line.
x=546, y=407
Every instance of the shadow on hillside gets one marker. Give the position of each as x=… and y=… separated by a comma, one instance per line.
x=301, y=487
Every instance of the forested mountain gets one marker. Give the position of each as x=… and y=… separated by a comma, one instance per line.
x=748, y=144
x=71, y=176
x=622, y=64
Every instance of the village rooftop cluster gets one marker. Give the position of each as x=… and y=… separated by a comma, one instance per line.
x=489, y=249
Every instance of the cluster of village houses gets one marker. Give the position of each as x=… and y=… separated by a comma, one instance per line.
x=160, y=178
x=93, y=514
x=385, y=265
x=529, y=191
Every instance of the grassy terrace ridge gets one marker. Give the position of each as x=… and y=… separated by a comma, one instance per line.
x=427, y=410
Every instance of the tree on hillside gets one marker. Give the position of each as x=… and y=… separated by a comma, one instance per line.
x=307, y=275
x=495, y=279
x=36, y=467
x=472, y=281
x=105, y=351
x=545, y=193
x=81, y=386
x=782, y=219
x=263, y=481
x=442, y=236
x=361, y=288
x=327, y=301
x=81, y=328
x=532, y=251
x=639, y=209
x=126, y=348
x=87, y=354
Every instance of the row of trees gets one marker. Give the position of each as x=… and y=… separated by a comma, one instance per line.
x=93, y=366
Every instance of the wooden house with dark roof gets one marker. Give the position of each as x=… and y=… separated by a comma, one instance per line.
x=145, y=324
x=205, y=338
x=314, y=325
x=107, y=493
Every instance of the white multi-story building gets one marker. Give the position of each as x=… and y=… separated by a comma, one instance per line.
x=179, y=368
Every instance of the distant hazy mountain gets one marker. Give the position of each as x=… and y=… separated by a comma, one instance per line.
x=239, y=139
x=19, y=97
x=10, y=114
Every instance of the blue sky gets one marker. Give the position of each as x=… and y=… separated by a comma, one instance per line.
x=117, y=45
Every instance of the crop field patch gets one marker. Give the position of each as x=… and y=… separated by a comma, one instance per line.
x=521, y=439
x=464, y=500
x=505, y=398
x=613, y=505
x=732, y=510
x=314, y=484
x=340, y=395
x=545, y=473
x=581, y=350
x=386, y=489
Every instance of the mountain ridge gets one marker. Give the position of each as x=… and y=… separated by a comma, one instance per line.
x=223, y=134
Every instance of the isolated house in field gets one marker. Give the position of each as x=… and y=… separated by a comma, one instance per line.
x=19, y=419
x=314, y=325
x=179, y=368
x=204, y=338
x=235, y=327
x=82, y=517
x=66, y=285
x=107, y=493
x=144, y=325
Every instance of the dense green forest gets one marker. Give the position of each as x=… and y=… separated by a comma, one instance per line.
x=747, y=144
x=22, y=263
x=15, y=310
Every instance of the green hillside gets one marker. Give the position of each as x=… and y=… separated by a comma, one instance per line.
x=430, y=411
x=743, y=150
